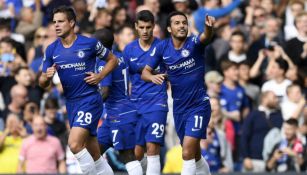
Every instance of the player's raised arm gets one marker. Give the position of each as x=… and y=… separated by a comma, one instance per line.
x=149, y=77
x=208, y=33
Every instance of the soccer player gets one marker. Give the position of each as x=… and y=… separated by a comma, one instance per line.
x=118, y=130
x=74, y=57
x=150, y=99
x=182, y=57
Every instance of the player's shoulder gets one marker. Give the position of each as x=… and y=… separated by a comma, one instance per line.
x=87, y=40
x=53, y=45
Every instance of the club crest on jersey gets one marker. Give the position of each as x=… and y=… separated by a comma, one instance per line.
x=185, y=53
x=81, y=54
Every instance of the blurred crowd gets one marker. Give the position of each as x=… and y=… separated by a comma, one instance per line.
x=255, y=75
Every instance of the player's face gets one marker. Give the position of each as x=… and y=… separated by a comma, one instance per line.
x=144, y=30
x=62, y=25
x=178, y=27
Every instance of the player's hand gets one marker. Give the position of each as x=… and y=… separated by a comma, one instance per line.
x=92, y=78
x=51, y=71
x=158, y=79
x=210, y=20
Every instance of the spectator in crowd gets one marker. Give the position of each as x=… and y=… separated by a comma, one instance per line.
x=10, y=59
x=31, y=109
x=271, y=35
x=30, y=20
x=217, y=117
x=7, y=9
x=53, y=121
x=278, y=84
x=19, y=95
x=213, y=81
x=82, y=16
x=255, y=15
x=10, y=144
x=103, y=19
x=237, y=48
x=294, y=104
x=36, y=51
x=5, y=31
x=120, y=18
x=124, y=36
x=254, y=129
x=221, y=43
x=216, y=151
x=41, y=153
x=296, y=48
x=288, y=154
x=294, y=8
x=251, y=90
x=234, y=102
x=22, y=77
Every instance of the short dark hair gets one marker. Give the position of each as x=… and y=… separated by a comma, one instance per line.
x=282, y=64
x=69, y=11
x=292, y=122
x=51, y=103
x=146, y=16
x=20, y=68
x=175, y=13
x=105, y=36
x=226, y=64
x=239, y=33
x=5, y=24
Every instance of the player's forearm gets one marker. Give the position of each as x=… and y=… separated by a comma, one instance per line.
x=146, y=74
x=111, y=64
x=44, y=81
x=206, y=35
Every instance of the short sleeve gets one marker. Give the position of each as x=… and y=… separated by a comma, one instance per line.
x=107, y=81
x=155, y=57
x=101, y=51
x=47, y=59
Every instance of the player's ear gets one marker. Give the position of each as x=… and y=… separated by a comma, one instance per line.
x=136, y=25
x=169, y=29
x=72, y=23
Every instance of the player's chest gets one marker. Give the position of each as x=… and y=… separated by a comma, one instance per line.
x=73, y=55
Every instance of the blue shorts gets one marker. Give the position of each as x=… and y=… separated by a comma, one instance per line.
x=121, y=137
x=193, y=123
x=151, y=128
x=85, y=112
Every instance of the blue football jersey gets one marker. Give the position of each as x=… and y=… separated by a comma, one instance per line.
x=118, y=105
x=185, y=71
x=233, y=99
x=72, y=63
x=147, y=96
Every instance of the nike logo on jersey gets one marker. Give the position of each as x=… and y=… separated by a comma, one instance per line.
x=165, y=58
x=54, y=57
x=195, y=129
x=153, y=52
x=114, y=144
x=133, y=59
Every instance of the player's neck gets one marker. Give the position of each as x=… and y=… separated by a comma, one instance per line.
x=178, y=43
x=145, y=44
x=68, y=40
